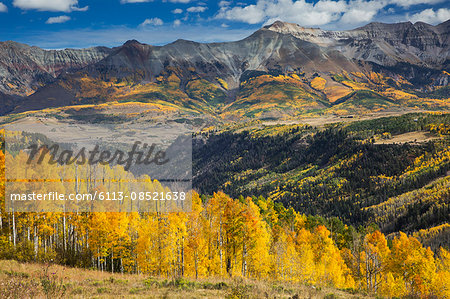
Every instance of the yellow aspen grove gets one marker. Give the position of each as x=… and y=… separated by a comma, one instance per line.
x=307, y=271
x=412, y=263
x=330, y=267
x=219, y=237
x=285, y=258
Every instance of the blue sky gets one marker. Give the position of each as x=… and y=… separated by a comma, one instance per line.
x=56, y=24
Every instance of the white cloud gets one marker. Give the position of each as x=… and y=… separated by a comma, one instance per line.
x=152, y=22
x=49, y=5
x=223, y=25
x=176, y=23
x=3, y=7
x=355, y=15
x=319, y=13
x=251, y=14
x=197, y=9
x=57, y=20
x=430, y=16
x=301, y=12
x=224, y=3
x=361, y=11
x=408, y=3
x=177, y=11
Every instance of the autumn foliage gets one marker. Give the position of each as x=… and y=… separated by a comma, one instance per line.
x=255, y=238
x=223, y=237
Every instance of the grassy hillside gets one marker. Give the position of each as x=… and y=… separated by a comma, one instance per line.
x=257, y=95
x=21, y=280
x=363, y=101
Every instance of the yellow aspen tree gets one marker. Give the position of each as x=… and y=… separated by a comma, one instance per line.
x=307, y=272
x=129, y=258
x=196, y=245
x=117, y=237
x=234, y=236
x=215, y=234
x=330, y=266
x=256, y=243
x=393, y=286
x=268, y=211
x=285, y=256
x=98, y=233
x=177, y=236
x=441, y=282
x=146, y=244
x=374, y=260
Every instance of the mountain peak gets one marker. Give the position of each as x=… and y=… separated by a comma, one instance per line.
x=293, y=29
x=10, y=43
x=277, y=24
x=132, y=42
x=183, y=41
x=280, y=26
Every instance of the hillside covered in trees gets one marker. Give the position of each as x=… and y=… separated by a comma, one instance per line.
x=224, y=237
x=341, y=170
x=327, y=207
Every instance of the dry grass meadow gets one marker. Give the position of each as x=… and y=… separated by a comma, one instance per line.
x=414, y=137
x=33, y=280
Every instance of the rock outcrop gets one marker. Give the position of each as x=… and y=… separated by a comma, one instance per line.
x=24, y=68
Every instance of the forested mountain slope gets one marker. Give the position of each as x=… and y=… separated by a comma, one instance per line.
x=338, y=171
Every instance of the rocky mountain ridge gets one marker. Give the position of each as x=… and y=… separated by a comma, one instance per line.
x=322, y=67
x=25, y=68
x=384, y=44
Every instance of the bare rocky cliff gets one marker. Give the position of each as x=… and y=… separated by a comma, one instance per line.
x=385, y=44
x=24, y=68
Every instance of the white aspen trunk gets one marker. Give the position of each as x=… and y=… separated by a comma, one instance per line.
x=36, y=242
x=182, y=256
x=14, y=228
x=196, y=263
x=220, y=246
x=244, y=262
x=64, y=231
x=112, y=260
